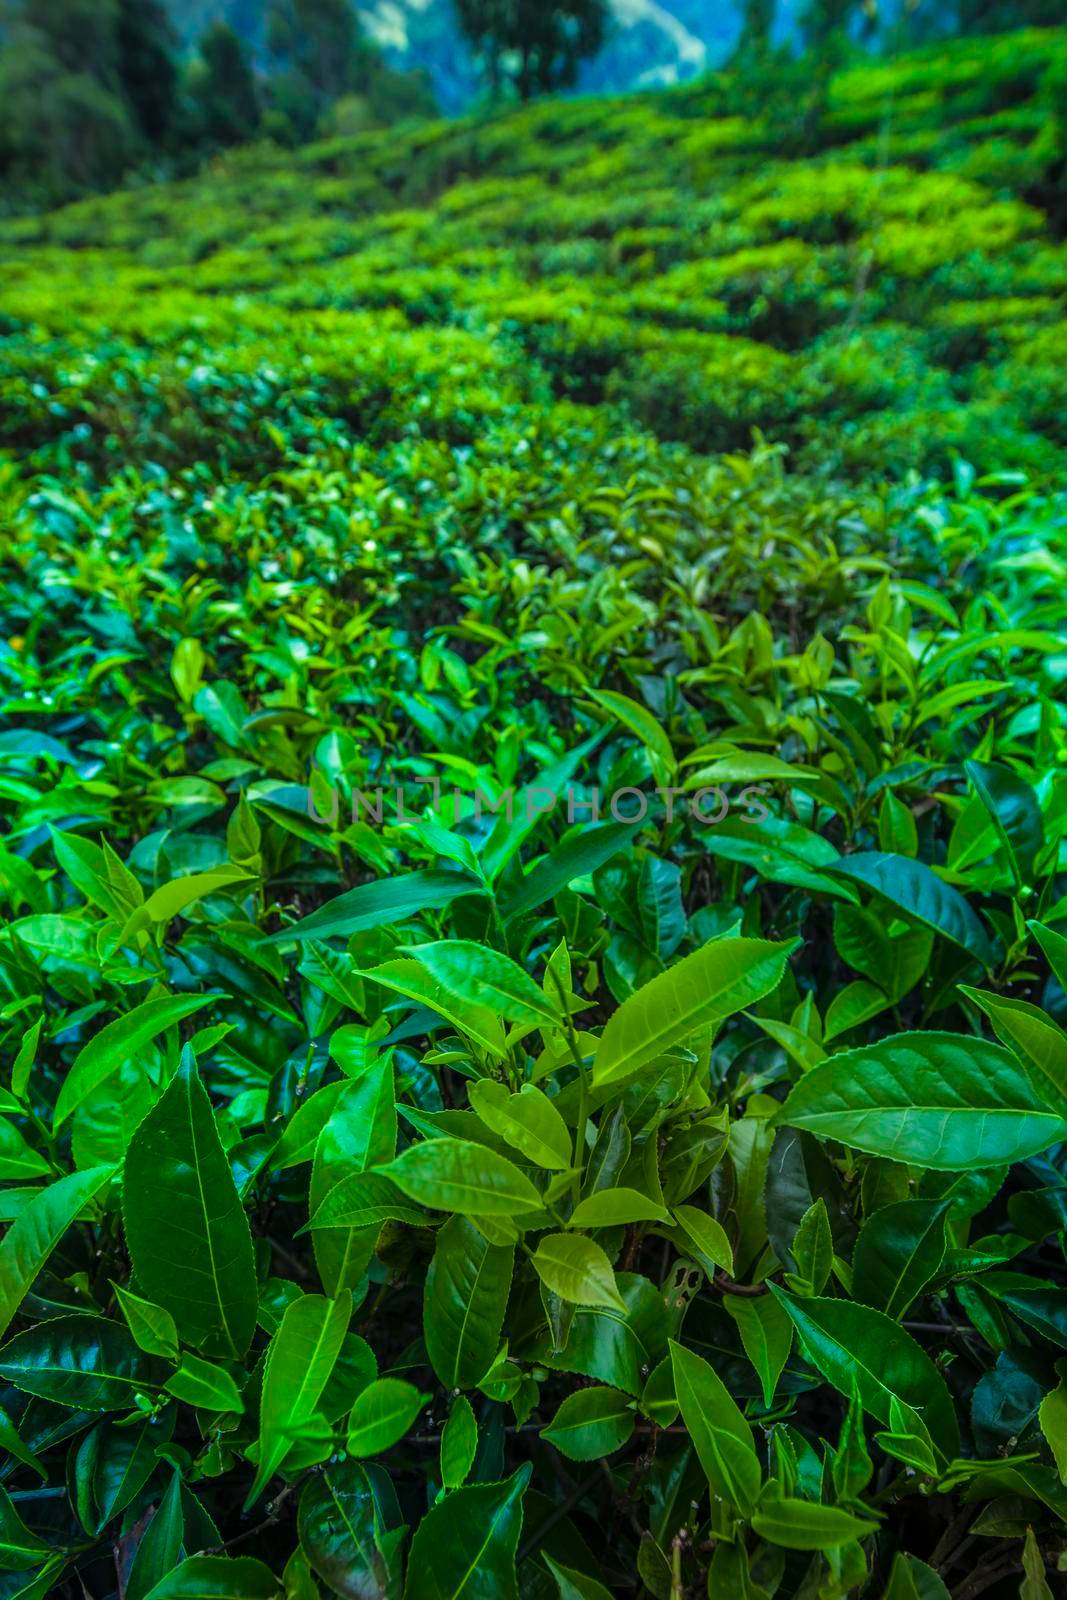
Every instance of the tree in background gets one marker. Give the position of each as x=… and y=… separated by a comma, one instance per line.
x=147, y=65
x=1054, y=197
x=999, y=16
x=222, y=88
x=534, y=46
x=64, y=123
x=756, y=25
x=823, y=21
x=313, y=46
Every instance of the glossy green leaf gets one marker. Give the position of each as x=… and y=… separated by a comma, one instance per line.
x=528, y=1121
x=87, y=1363
x=898, y=1253
x=20, y=1550
x=359, y=1134
x=464, y=1548
x=299, y=1362
x=612, y=1208
x=120, y=1041
x=204, y=1384
x=707, y=1237
x=37, y=1230
x=388, y=900
x=640, y=722
x=582, y=852
x=591, y=1423
x=459, y=1443
x=18, y=1160
x=160, y=1545
x=186, y=1229
x=343, y=1533
x=381, y=1416
x=701, y=989
x=484, y=978
x=1038, y=1305
x=721, y=1436
x=1035, y=1039
x=939, y=1100
x=456, y=1175
x=766, y=1335
x=153, y=1327
x=802, y=1525
x=11, y=1442
x=858, y=1348
x=914, y=889
x=576, y=1269
x=575, y=1585
x=1052, y=1414
x=1015, y=813
x=217, y=1578
x=1054, y=948
x=411, y=978
x=467, y=1288
x=366, y=1200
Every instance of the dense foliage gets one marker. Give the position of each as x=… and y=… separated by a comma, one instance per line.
x=94, y=91
x=532, y=989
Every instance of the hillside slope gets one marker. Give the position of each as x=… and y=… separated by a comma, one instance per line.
x=879, y=306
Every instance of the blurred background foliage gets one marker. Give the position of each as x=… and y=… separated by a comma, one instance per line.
x=853, y=248
x=95, y=92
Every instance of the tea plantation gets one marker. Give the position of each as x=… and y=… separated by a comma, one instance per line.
x=533, y=788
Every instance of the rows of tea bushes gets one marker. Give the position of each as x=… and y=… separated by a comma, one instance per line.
x=886, y=300
x=533, y=977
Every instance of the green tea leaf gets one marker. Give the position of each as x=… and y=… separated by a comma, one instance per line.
x=802, y=1525
x=465, y=1546
x=459, y=1443
x=721, y=1436
x=84, y=1362
x=577, y=1270
x=344, y=1535
x=456, y=1175
x=1035, y=1039
x=185, y=1227
x=914, y=889
x=528, y=1121
x=612, y=1208
x=120, y=1041
x=898, y=1253
x=366, y=1200
x=411, y=978
x=389, y=900
x=299, y=1362
x=591, y=1423
x=37, y=1230
x=217, y=1578
x=939, y=1100
x=382, y=1415
x=203, y=1384
x=574, y=1585
x=467, y=1288
x=854, y=1346
x=153, y=1328
x=703, y=988
x=160, y=1546
x=766, y=1335
x=484, y=978
x=19, y=1548
x=707, y=1237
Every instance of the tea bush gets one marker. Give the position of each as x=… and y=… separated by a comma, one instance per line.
x=534, y=977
